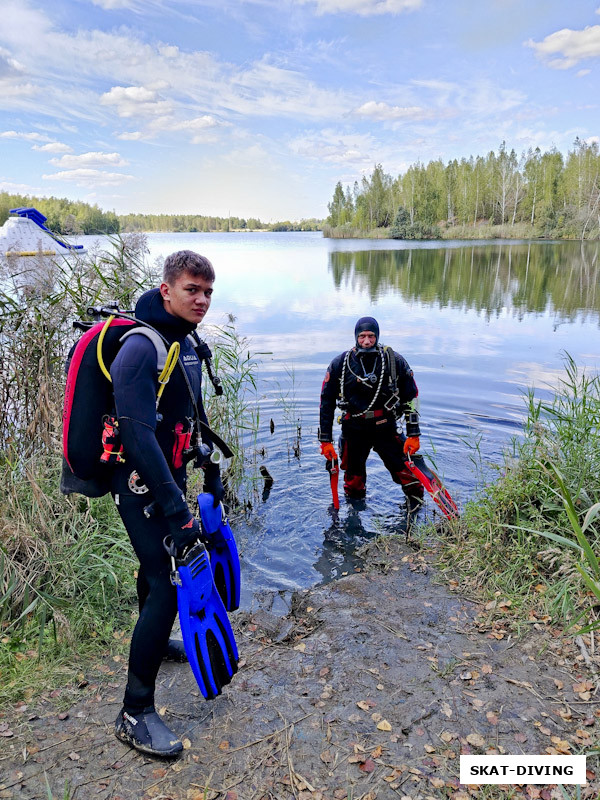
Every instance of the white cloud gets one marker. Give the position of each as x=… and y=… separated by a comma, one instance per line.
x=582, y=73
x=332, y=147
x=364, y=8
x=19, y=188
x=592, y=140
x=89, y=160
x=29, y=137
x=53, y=147
x=382, y=112
x=134, y=101
x=89, y=177
x=200, y=128
x=130, y=136
x=156, y=79
x=565, y=48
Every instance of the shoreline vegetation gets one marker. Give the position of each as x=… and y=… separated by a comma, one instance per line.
x=502, y=195
x=72, y=218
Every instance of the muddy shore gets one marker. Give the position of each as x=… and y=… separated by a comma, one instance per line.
x=367, y=688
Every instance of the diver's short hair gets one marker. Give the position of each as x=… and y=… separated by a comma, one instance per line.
x=187, y=261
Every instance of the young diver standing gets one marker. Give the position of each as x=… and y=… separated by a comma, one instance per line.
x=154, y=472
x=373, y=386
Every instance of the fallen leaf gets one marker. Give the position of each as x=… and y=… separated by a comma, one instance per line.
x=224, y=745
x=384, y=725
x=326, y=757
x=446, y=710
x=476, y=740
x=486, y=669
x=300, y=647
x=159, y=772
x=429, y=749
x=520, y=737
x=561, y=745
x=186, y=744
x=74, y=756
x=437, y=782
x=377, y=752
x=465, y=676
x=63, y=715
x=558, y=683
x=446, y=736
x=492, y=718
x=367, y=766
x=362, y=704
x=583, y=686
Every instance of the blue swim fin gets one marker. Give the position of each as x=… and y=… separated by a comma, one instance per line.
x=222, y=549
x=207, y=635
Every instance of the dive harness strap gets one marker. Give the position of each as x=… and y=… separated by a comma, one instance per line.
x=170, y=360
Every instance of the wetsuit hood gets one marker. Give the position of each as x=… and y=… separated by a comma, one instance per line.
x=366, y=324
x=150, y=308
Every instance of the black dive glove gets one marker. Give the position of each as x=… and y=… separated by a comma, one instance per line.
x=212, y=483
x=184, y=528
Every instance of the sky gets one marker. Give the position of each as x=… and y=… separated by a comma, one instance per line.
x=256, y=108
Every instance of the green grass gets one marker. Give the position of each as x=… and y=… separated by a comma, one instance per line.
x=532, y=536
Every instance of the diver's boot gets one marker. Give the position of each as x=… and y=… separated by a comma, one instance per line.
x=148, y=733
x=413, y=505
x=175, y=651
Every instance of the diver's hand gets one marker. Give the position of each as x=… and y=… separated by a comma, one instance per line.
x=411, y=445
x=328, y=450
x=213, y=484
x=184, y=528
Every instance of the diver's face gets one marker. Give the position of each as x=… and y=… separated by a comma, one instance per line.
x=366, y=339
x=188, y=297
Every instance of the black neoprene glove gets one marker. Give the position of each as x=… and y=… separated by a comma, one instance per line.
x=212, y=483
x=184, y=528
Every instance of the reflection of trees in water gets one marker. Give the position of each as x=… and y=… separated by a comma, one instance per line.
x=524, y=277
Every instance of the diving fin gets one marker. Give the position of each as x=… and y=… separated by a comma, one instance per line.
x=430, y=481
x=222, y=549
x=207, y=635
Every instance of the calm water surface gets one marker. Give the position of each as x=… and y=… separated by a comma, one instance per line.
x=479, y=323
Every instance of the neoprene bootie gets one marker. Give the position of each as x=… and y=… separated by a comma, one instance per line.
x=148, y=733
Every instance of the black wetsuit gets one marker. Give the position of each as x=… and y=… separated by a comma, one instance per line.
x=149, y=474
x=371, y=402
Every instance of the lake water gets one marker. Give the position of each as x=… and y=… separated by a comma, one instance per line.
x=479, y=323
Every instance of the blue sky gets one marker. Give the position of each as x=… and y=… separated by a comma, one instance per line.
x=258, y=107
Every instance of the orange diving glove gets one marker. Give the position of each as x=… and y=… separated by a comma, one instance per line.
x=328, y=450
x=411, y=445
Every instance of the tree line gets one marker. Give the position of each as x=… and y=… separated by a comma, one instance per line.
x=66, y=217
x=192, y=223
x=69, y=217
x=536, y=194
